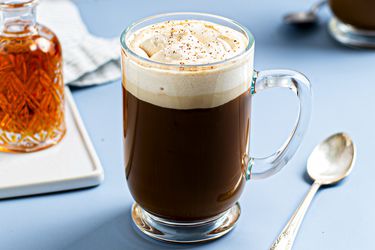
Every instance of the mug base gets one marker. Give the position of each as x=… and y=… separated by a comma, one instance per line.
x=192, y=232
x=350, y=35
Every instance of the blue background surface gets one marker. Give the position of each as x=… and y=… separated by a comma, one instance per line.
x=341, y=217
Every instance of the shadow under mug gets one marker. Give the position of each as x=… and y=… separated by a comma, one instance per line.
x=186, y=155
x=353, y=23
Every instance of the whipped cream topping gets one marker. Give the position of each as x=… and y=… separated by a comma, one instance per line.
x=187, y=42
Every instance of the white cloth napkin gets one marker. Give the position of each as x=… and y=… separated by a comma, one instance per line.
x=88, y=59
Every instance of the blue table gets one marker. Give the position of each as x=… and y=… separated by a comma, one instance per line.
x=341, y=217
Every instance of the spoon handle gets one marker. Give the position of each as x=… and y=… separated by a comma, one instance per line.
x=318, y=5
x=286, y=238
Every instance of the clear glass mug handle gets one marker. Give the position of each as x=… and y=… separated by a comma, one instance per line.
x=259, y=168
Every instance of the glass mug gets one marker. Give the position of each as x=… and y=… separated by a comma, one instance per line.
x=186, y=155
x=353, y=23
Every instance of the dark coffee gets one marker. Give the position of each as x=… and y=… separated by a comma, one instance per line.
x=185, y=165
x=358, y=13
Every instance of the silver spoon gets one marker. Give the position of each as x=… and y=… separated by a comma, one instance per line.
x=331, y=161
x=306, y=18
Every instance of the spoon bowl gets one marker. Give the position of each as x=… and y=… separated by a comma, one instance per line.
x=306, y=18
x=332, y=160
x=301, y=18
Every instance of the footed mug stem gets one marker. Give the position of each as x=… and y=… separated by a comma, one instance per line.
x=259, y=168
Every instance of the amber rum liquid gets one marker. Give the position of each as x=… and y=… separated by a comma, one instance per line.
x=31, y=85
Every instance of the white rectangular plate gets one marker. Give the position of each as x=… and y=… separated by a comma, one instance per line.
x=71, y=164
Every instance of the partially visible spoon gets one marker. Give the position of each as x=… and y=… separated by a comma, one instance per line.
x=307, y=18
x=331, y=161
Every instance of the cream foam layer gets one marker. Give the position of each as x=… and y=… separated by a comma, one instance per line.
x=187, y=42
x=187, y=87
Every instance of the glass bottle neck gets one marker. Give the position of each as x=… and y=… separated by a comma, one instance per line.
x=18, y=21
